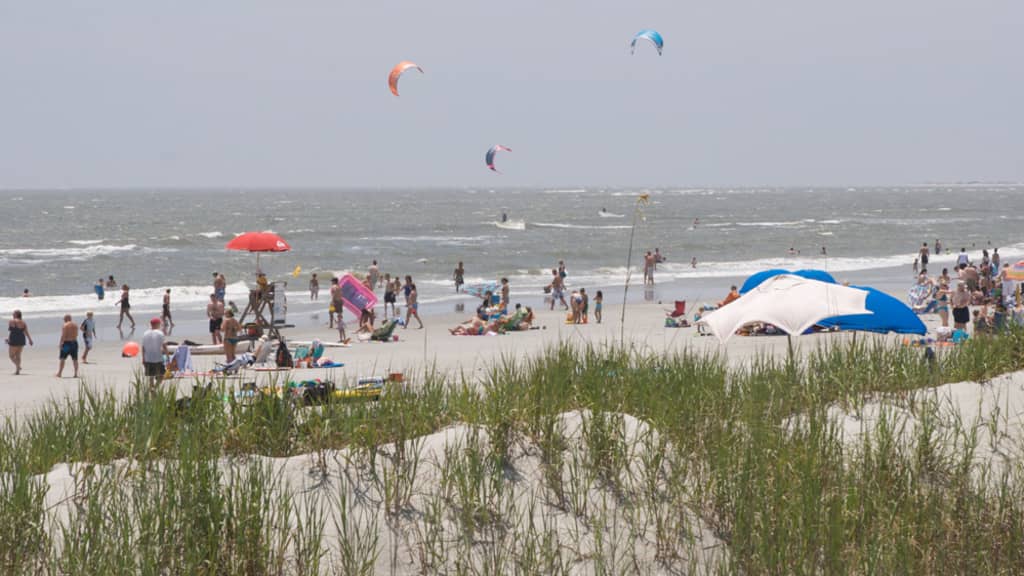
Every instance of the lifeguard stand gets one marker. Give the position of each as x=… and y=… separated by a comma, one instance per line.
x=269, y=308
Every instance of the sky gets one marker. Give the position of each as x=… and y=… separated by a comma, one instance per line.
x=264, y=93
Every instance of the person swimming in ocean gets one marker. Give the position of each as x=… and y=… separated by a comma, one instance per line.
x=504, y=217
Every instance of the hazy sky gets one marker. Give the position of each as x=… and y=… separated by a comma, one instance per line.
x=275, y=93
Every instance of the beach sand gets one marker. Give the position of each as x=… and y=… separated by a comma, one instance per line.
x=416, y=350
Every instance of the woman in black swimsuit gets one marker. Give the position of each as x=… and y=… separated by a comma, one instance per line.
x=125, y=308
x=17, y=333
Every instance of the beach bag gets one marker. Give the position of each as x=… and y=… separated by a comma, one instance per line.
x=283, y=359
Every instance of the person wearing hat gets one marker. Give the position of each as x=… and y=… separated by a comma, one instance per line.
x=153, y=350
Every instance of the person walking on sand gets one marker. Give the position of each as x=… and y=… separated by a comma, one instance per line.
x=165, y=312
x=557, y=289
x=231, y=329
x=407, y=289
x=154, y=348
x=215, y=312
x=598, y=305
x=17, y=334
x=88, y=335
x=126, y=308
x=413, y=308
x=459, y=276
x=314, y=288
x=68, y=345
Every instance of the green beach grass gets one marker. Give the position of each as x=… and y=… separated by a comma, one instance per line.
x=602, y=460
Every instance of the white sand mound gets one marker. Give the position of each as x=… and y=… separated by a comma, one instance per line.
x=988, y=414
x=588, y=498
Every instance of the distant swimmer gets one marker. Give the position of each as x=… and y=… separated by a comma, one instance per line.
x=26, y=293
x=824, y=252
x=793, y=251
x=504, y=217
x=693, y=262
x=696, y=222
x=98, y=288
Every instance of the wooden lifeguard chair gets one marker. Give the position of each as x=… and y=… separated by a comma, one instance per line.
x=268, y=307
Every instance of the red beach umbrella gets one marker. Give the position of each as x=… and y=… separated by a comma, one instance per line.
x=258, y=242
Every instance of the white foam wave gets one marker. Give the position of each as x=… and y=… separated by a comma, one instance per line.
x=579, y=226
x=62, y=254
x=85, y=242
x=566, y=191
x=144, y=301
x=211, y=235
x=789, y=224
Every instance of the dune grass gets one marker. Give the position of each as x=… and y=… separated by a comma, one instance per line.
x=672, y=463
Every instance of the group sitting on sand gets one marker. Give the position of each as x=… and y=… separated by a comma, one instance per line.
x=485, y=323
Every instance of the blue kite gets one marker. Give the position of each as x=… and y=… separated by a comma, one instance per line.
x=651, y=36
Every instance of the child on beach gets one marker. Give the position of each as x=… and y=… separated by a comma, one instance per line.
x=314, y=287
x=598, y=304
x=88, y=335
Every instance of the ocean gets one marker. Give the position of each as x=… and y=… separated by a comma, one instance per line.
x=57, y=243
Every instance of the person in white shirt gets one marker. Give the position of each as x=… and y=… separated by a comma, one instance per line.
x=961, y=258
x=153, y=350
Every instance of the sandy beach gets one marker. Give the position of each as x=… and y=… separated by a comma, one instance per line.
x=416, y=350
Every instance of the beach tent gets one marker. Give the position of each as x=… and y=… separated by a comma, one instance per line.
x=887, y=314
x=791, y=303
x=756, y=279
